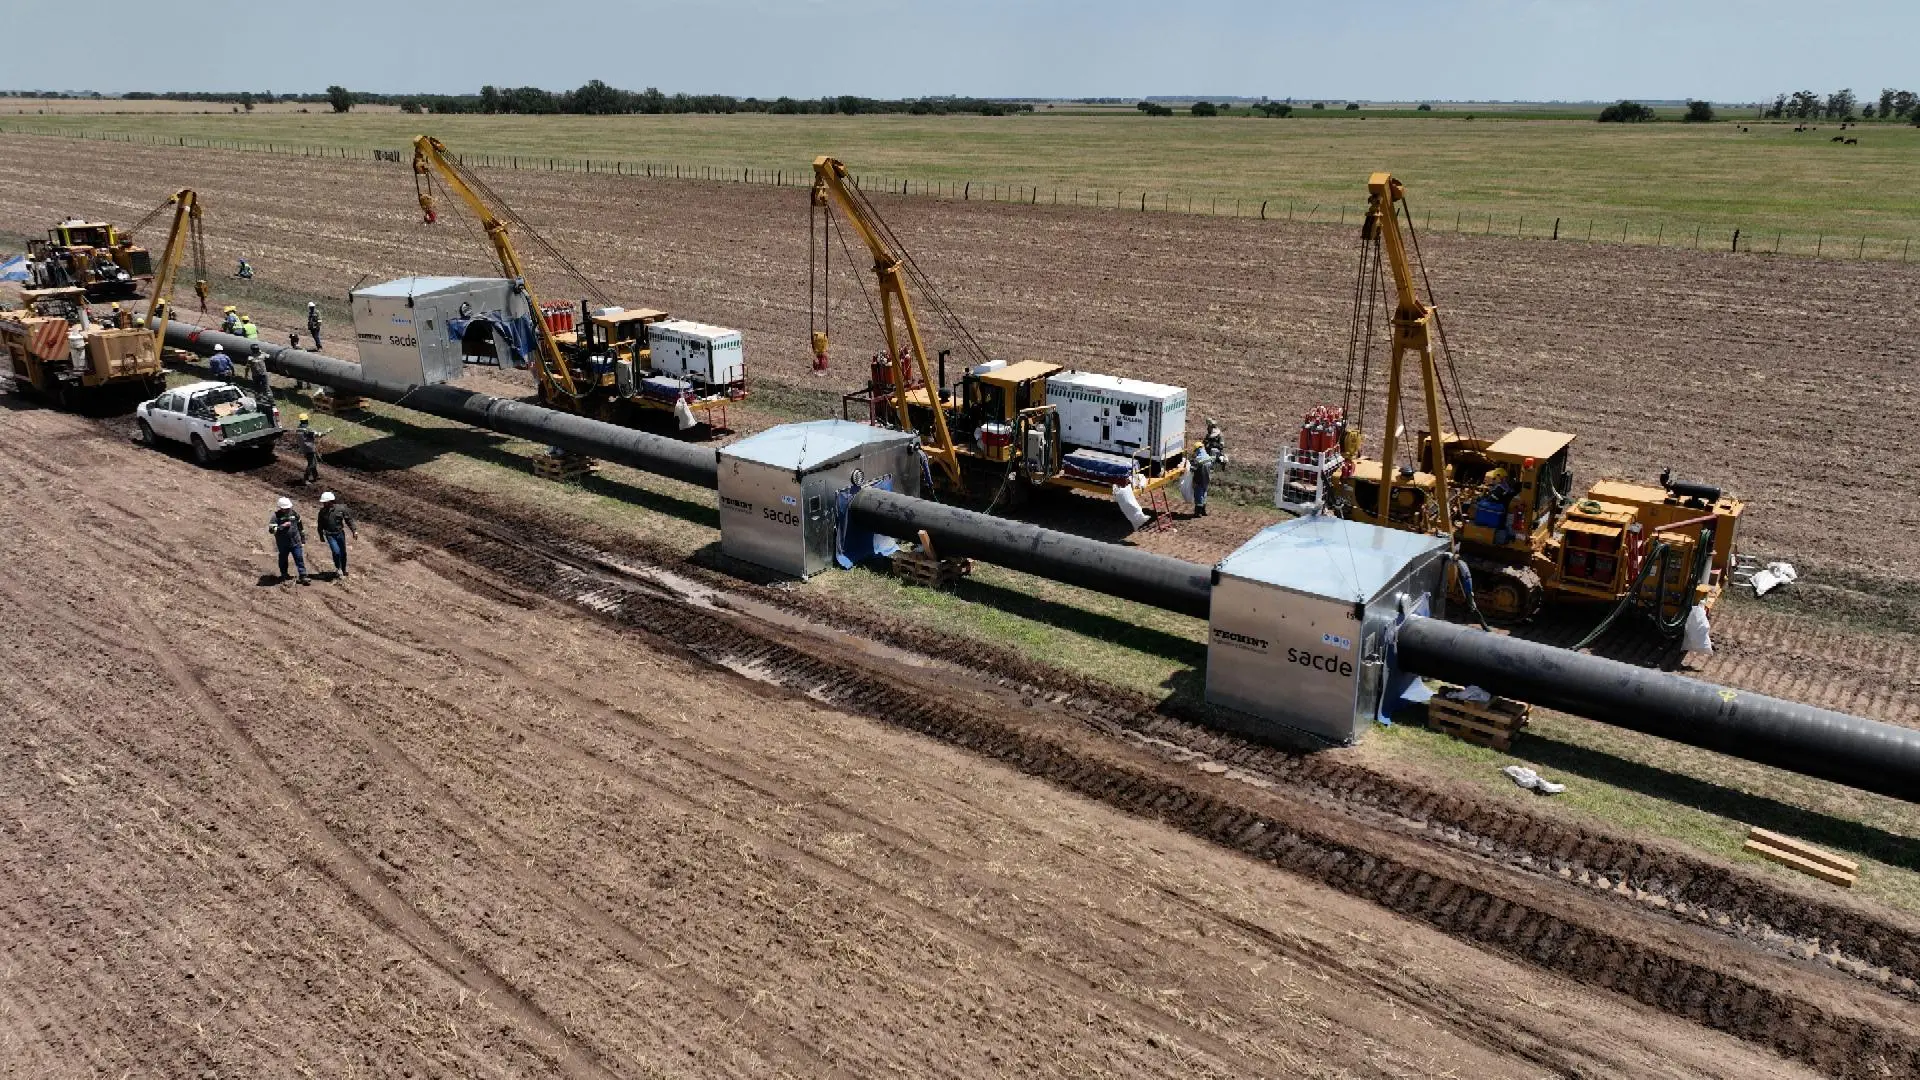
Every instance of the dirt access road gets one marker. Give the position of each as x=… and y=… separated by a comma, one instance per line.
x=1790, y=381
x=424, y=823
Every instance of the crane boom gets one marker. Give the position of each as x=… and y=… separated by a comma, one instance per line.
x=830, y=187
x=430, y=157
x=185, y=231
x=1412, y=332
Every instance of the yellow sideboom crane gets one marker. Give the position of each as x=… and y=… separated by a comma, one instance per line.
x=430, y=157
x=831, y=187
x=1412, y=332
x=185, y=232
x=1507, y=504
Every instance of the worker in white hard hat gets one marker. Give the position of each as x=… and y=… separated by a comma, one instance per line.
x=220, y=363
x=289, y=537
x=336, y=521
x=313, y=324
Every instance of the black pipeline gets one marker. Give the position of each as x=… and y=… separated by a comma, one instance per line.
x=1814, y=742
x=550, y=427
x=1833, y=746
x=1126, y=572
x=1108, y=568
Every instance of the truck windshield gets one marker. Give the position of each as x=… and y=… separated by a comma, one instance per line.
x=225, y=395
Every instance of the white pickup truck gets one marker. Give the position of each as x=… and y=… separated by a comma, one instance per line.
x=215, y=419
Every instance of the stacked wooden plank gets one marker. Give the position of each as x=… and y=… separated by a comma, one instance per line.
x=921, y=565
x=563, y=468
x=1804, y=857
x=1492, y=723
x=338, y=404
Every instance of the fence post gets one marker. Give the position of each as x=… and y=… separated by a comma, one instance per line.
x=1904, y=245
x=1696, y=238
x=1263, y=211
x=1589, y=230
x=1819, y=241
x=967, y=194
x=1143, y=202
x=1556, y=228
x=1861, y=253
x=1736, y=239
x=1659, y=234
x=1519, y=226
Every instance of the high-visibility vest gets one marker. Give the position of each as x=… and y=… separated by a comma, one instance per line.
x=247, y=329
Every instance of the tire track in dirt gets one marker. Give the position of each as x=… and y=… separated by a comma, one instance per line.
x=349, y=870
x=1407, y=882
x=814, y=866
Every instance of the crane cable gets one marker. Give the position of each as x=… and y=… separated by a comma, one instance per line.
x=525, y=229
x=1464, y=422
x=922, y=284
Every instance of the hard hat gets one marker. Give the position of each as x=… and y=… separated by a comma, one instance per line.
x=229, y=307
x=309, y=303
x=285, y=503
x=303, y=418
x=116, y=305
x=326, y=496
x=219, y=348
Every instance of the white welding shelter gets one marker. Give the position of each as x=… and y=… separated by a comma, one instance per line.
x=427, y=330
x=778, y=506
x=1300, y=618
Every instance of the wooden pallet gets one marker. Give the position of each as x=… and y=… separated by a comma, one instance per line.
x=337, y=404
x=921, y=566
x=1492, y=724
x=1809, y=860
x=563, y=468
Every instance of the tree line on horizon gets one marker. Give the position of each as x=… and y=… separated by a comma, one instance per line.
x=595, y=98
x=1843, y=105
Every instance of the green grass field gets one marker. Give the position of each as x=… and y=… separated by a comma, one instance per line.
x=1504, y=173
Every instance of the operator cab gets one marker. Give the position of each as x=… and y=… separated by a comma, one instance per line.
x=79, y=233
x=1523, y=480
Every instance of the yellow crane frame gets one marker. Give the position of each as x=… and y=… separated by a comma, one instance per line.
x=186, y=221
x=1413, y=321
x=830, y=187
x=430, y=156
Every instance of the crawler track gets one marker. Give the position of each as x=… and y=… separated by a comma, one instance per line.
x=1671, y=932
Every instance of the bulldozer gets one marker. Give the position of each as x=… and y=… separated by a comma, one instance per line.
x=1523, y=538
x=54, y=344
x=54, y=347
x=92, y=256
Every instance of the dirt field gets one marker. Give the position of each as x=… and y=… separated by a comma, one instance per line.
x=1788, y=381
x=406, y=824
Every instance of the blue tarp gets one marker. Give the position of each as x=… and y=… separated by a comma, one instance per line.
x=852, y=547
x=518, y=332
x=13, y=268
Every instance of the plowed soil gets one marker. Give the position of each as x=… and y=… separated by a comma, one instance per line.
x=1789, y=381
x=508, y=802
x=424, y=822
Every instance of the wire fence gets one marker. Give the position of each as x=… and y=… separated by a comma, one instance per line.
x=1584, y=228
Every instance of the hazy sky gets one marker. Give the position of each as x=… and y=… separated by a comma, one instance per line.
x=1385, y=50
